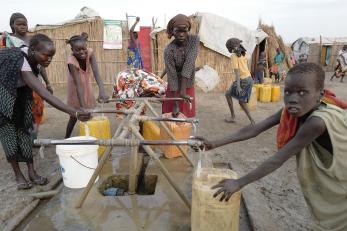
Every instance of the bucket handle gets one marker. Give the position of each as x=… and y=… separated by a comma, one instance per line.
x=81, y=163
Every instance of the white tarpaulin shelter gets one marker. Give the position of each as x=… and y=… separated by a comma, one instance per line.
x=86, y=14
x=215, y=30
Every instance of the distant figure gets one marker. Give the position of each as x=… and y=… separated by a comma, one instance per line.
x=278, y=67
x=81, y=63
x=302, y=58
x=134, y=49
x=180, y=56
x=260, y=69
x=241, y=88
x=341, y=64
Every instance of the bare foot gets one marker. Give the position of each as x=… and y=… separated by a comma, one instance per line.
x=37, y=179
x=22, y=183
x=230, y=120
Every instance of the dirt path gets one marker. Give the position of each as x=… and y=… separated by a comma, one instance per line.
x=273, y=203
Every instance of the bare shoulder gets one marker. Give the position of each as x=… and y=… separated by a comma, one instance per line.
x=313, y=125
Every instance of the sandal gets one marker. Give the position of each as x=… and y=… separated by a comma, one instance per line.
x=24, y=186
x=39, y=181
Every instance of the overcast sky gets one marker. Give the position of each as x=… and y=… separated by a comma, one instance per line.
x=291, y=18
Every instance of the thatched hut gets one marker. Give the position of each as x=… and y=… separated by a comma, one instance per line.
x=109, y=62
x=272, y=42
x=322, y=50
x=214, y=32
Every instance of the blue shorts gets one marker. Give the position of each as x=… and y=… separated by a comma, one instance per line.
x=246, y=86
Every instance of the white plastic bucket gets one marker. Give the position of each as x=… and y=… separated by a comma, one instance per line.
x=77, y=162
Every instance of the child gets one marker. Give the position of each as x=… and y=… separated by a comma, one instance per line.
x=134, y=49
x=314, y=130
x=302, y=58
x=278, y=66
x=20, y=38
x=80, y=90
x=241, y=88
x=180, y=56
x=19, y=69
x=260, y=69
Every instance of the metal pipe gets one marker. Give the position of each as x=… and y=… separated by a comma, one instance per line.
x=118, y=142
x=184, y=120
x=110, y=110
x=149, y=99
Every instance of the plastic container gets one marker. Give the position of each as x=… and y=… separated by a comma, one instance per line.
x=265, y=94
x=275, y=93
x=77, y=162
x=99, y=127
x=252, y=103
x=207, y=78
x=180, y=130
x=208, y=213
x=257, y=87
x=151, y=131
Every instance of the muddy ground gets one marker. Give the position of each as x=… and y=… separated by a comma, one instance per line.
x=273, y=203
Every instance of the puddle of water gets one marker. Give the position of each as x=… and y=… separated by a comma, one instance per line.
x=146, y=185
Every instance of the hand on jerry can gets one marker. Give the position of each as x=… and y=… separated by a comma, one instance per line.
x=83, y=115
x=228, y=187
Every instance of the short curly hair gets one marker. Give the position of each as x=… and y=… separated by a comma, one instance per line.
x=310, y=68
x=36, y=39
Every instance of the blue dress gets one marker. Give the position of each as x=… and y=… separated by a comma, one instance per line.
x=134, y=57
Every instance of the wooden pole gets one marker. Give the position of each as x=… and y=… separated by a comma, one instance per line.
x=132, y=168
x=104, y=157
x=162, y=168
x=167, y=130
x=320, y=50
